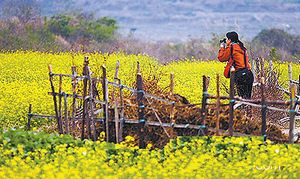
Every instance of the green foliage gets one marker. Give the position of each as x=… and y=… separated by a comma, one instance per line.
x=274, y=55
x=35, y=140
x=182, y=157
x=83, y=26
x=58, y=33
x=279, y=39
x=59, y=24
x=27, y=36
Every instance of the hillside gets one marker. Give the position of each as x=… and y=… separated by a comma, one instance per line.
x=178, y=19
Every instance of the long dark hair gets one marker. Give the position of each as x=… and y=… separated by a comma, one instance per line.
x=234, y=37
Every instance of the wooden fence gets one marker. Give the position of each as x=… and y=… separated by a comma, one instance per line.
x=93, y=104
x=262, y=103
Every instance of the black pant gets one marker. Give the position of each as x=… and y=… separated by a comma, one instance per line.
x=244, y=81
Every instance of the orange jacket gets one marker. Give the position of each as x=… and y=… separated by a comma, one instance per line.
x=238, y=56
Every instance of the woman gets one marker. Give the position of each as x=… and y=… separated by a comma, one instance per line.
x=235, y=54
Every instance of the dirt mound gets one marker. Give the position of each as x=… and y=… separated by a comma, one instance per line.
x=184, y=113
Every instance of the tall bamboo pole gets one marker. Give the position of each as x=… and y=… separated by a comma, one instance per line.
x=91, y=103
x=204, y=99
x=141, y=109
x=105, y=98
x=290, y=71
x=122, y=120
x=84, y=114
x=66, y=113
x=60, y=101
x=218, y=105
x=263, y=102
x=293, y=90
x=115, y=100
x=253, y=69
x=232, y=101
x=74, y=103
x=59, y=126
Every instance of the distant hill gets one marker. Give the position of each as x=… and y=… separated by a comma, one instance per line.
x=182, y=19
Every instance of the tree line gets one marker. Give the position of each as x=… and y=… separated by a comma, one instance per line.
x=23, y=27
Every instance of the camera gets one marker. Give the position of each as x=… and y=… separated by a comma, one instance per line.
x=223, y=40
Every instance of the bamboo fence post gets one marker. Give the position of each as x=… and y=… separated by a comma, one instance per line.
x=91, y=102
x=218, y=105
x=29, y=117
x=122, y=121
x=204, y=96
x=290, y=71
x=271, y=66
x=298, y=86
x=84, y=73
x=60, y=101
x=138, y=67
x=66, y=112
x=141, y=109
x=257, y=66
x=172, y=84
x=172, y=114
x=232, y=101
x=253, y=68
x=59, y=126
x=74, y=103
x=117, y=120
x=263, y=103
x=105, y=97
x=293, y=99
x=205, y=82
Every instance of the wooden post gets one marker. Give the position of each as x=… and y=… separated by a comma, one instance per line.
x=218, y=105
x=298, y=86
x=253, y=68
x=290, y=74
x=91, y=103
x=172, y=114
x=232, y=101
x=59, y=126
x=271, y=66
x=117, y=120
x=29, y=117
x=141, y=109
x=138, y=67
x=263, y=102
x=66, y=113
x=84, y=113
x=60, y=101
x=74, y=103
x=105, y=98
x=122, y=120
x=172, y=84
x=293, y=99
x=205, y=82
x=257, y=66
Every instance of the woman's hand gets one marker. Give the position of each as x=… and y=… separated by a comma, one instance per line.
x=222, y=45
x=228, y=41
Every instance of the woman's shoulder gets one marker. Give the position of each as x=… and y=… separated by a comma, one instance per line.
x=236, y=46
